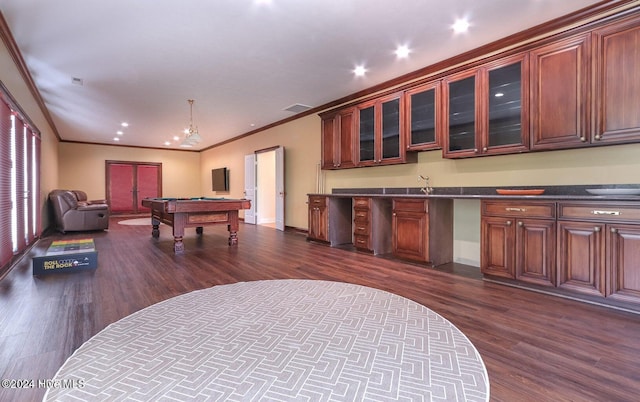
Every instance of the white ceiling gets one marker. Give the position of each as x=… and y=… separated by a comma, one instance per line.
x=242, y=62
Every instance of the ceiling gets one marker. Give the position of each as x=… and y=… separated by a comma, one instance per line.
x=242, y=61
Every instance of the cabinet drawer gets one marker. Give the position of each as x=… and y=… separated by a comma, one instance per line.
x=361, y=215
x=519, y=209
x=361, y=241
x=361, y=228
x=410, y=205
x=362, y=202
x=317, y=201
x=601, y=211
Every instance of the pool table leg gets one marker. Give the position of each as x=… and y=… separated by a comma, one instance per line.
x=232, y=227
x=178, y=245
x=155, y=231
x=179, y=221
x=199, y=230
x=233, y=237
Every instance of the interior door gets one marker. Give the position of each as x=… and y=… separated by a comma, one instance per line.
x=130, y=182
x=148, y=184
x=121, y=187
x=250, y=187
x=280, y=193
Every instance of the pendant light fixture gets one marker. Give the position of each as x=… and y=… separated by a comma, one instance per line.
x=191, y=136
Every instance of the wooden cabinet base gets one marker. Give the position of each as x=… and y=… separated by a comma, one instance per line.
x=422, y=230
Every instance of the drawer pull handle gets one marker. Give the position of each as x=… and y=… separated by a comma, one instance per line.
x=614, y=230
x=508, y=223
x=360, y=228
x=596, y=229
x=596, y=212
x=520, y=223
x=516, y=209
x=361, y=241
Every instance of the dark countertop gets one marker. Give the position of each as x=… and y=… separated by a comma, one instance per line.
x=567, y=193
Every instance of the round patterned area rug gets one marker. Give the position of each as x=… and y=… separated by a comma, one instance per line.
x=278, y=340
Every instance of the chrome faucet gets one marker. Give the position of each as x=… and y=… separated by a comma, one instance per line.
x=426, y=189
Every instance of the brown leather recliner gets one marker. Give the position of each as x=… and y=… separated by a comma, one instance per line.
x=70, y=216
x=81, y=196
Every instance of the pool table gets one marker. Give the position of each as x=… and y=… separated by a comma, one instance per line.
x=181, y=213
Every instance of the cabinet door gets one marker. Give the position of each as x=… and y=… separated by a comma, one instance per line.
x=410, y=235
x=498, y=246
x=618, y=82
x=337, y=140
x=318, y=218
x=367, y=134
x=560, y=80
x=390, y=149
x=581, y=257
x=460, y=93
x=329, y=130
x=624, y=262
x=423, y=117
x=345, y=148
x=507, y=102
x=536, y=251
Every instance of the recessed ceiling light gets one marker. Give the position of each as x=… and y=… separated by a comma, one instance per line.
x=124, y=124
x=116, y=139
x=176, y=138
x=167, y=143
x=359, y=71
x=461, y=25
x=119, y=132
x=402, y=51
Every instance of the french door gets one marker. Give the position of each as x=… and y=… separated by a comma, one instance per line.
x=128, y=183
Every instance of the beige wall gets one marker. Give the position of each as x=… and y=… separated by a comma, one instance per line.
x=11, y=78
x=601, y=165
x=301, y=142
x=82, y=167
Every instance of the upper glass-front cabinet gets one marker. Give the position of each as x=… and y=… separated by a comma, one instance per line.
x=423, y=120
x=505, y=105
x=366, y=129
x=461, y=114
x=486, y=110
x=379, y=129
x=390, y=129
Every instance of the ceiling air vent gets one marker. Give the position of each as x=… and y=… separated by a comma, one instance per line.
x=77, y=81
x=297, y=108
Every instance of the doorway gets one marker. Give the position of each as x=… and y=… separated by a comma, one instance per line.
x=128, y=183
x=264, y=187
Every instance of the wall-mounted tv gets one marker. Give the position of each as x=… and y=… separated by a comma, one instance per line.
x=220, y=179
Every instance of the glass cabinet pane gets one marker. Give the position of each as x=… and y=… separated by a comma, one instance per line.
x=423, y=117
x=462, y=108
x=505, y=105
x=391, y=129
x=367, y=133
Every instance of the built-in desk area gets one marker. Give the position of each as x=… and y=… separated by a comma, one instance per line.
x=567, y=240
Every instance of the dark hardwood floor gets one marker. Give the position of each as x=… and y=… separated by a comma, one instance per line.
x=536, y=347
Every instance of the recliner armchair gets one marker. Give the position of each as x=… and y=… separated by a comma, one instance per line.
x=70, y=216
x=81, y=196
